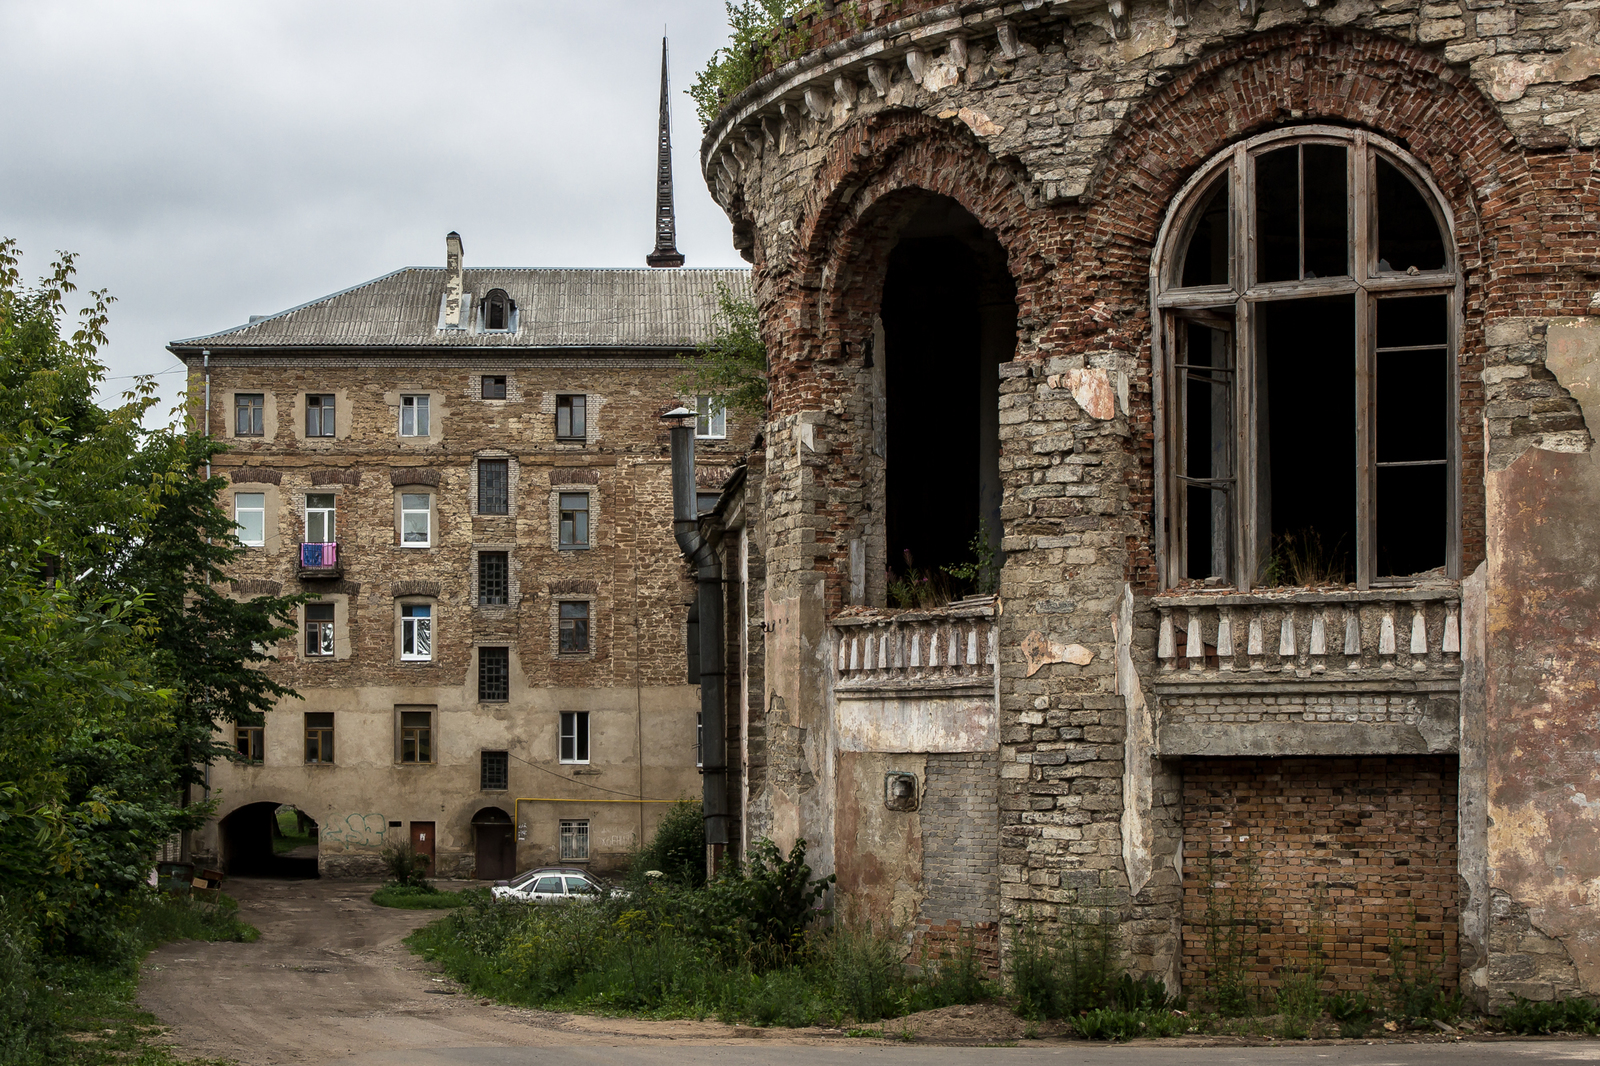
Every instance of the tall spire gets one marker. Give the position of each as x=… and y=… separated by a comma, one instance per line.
x=666, y=253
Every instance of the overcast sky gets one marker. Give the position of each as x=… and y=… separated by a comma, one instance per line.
x=213, y=160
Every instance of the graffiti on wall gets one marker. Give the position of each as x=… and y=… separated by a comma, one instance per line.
x=356, y=830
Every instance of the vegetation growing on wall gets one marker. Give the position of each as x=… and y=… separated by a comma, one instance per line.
x=752, y=25
x=732, y=365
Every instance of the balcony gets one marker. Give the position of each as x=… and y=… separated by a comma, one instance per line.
x=1303, y=673
x=917, y=681
x=320, y=561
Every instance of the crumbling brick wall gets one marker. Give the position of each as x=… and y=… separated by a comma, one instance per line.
x=960, y=815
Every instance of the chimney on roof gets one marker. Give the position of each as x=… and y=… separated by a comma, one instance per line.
x=452, y=280
x=666, y=253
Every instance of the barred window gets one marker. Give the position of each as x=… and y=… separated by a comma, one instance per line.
x=574, y=840
x=493, y=579
x=494, y=771
x=494, y=675
x=494, y=481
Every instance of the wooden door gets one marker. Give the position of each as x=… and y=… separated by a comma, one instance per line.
x=422, y=841
x=494, y=852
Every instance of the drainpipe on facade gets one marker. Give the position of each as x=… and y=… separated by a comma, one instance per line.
x=708, y=572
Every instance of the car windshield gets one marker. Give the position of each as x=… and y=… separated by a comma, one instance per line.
x=522, y=879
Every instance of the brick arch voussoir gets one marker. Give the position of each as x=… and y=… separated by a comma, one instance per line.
x=830, y=296
x=1296, y=76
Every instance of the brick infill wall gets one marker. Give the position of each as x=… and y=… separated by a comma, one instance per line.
x=1345, y=853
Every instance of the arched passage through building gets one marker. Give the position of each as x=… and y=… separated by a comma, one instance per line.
x=269, y=839
x=948, y=319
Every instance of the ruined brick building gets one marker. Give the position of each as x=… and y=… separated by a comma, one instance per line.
x=1261, y=342
x=466, y=470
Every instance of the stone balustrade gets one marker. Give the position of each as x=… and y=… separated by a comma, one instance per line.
x=959, y=643
x=1305, y=634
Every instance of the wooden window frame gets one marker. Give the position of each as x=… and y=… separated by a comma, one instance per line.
x=563, y=645
x=416, y=740
x=319, y=728
x=1238, y=299
x=250, y=742
x=320, y=630
x=565, y=405
x=256, y=411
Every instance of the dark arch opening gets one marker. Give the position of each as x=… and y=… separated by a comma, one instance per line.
x=496, y=844
x=949, y=319
x=269, y=839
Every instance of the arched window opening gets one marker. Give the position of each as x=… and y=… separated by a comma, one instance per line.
x=499, y=312
x=1307, y=368
x=948, y=320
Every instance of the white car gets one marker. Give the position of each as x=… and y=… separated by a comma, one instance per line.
x=550, y=884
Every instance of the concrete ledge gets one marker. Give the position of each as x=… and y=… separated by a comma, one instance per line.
x=1273, y=739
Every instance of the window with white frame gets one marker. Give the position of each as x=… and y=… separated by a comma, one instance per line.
x=248, y=413
x=416, y=632
x=250, y=516
x=574, y=839
x=574, y=736
x=320, y=508
x=416, y=525
x=1307, y=379
x=414, y=416
x=710, y=417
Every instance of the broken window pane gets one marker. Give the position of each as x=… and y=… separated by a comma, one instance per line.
x=1206, y=260
x=1278, y=215
x=1408, y=234
x=1326, y=207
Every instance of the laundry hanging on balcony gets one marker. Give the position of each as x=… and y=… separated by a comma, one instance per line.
x=323, y=555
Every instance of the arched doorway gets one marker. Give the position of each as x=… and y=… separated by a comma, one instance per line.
x=269, y=839
x=948, y=320
x=496, y=845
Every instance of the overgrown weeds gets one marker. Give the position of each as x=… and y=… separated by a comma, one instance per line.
x=1528, y=1017
x=406, y=867
x=411, y=897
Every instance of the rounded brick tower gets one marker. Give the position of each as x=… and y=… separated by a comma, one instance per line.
x=1204, y=359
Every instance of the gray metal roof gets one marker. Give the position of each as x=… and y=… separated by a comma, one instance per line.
x=627, y=308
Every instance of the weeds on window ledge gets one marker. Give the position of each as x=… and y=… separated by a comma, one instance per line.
x=1300, y=560
x=918, y=587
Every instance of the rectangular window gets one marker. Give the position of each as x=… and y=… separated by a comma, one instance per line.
x=250, y=742
x=319, y=736
x=570, y=421
x=416, y=736
x=413, y=416
x=574, y=508
x=414, y=520
x=574, y=840
x=574, y=628
x=319, y=517
x=494, y=675
x=248, y=412
x=416, y=632
x=699, y=738
x=494, y=386
x=575, y=736
x=319, y=415
x=494, y=486
x=250, y=515
x=710, y=417
x=319, y=629
x=494, y=771
x=493, y=573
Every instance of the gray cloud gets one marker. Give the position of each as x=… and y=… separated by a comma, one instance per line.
x=211, y=161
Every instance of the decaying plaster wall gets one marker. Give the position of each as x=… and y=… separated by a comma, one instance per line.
x=1542, y=742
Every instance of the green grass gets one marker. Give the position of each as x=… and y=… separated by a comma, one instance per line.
x=289, y=836
x=93, y=1019
x=407, y=897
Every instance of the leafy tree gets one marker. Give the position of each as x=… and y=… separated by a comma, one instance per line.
x=119, y=656
x=732, y=365
x=734, y=66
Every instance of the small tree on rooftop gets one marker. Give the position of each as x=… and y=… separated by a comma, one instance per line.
x=731, y=367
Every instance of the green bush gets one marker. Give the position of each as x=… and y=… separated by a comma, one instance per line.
x=1353, y=1013
x=1528, y=1017
x=410, y=897
x=407, y=867
x=677, y=851
x=1064, y=972
x=1110, y=1023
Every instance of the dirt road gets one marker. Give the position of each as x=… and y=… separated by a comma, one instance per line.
x=330, y=979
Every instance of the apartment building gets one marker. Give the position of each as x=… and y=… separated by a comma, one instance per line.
x=466, y=471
